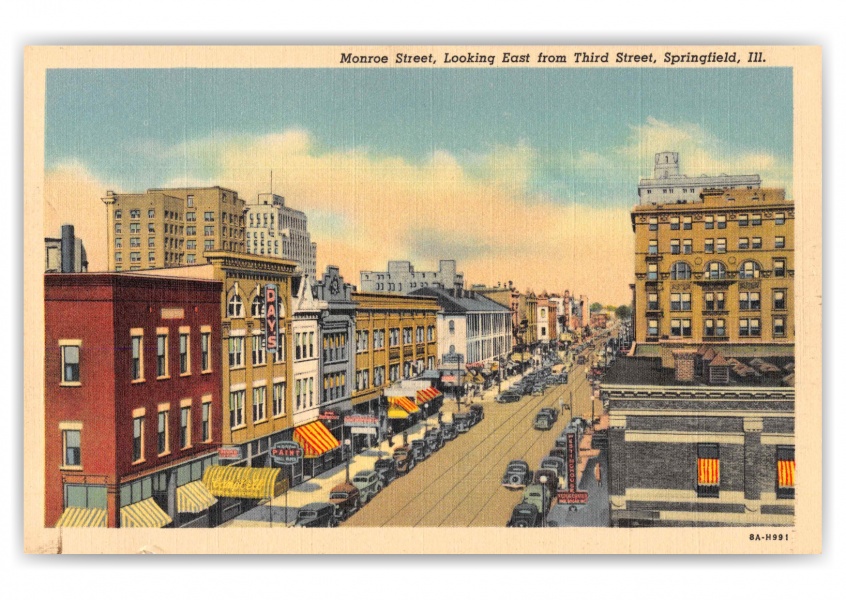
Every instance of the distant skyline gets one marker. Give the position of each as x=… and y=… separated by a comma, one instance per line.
x=519, y=174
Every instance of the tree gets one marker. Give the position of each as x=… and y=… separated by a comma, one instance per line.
x=595, y=307
x=623, y=311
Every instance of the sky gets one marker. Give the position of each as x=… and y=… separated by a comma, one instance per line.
x=523, y=175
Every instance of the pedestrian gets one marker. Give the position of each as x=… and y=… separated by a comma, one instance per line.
x=597, y=473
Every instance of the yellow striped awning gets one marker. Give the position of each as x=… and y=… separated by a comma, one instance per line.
x=193, y=497
x=315, y=439
x=241, y=482
x=786, y=473
x=427, y=395
x=144, y=514
x=400, y=407
x=75, y=516
x=709, y=471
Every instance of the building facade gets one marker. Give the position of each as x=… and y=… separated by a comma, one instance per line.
x=528, y=330
x=274, y=229
x=65, y=254
x=401, y=278
x=172, y=227
x=506, y=296
x=133, y=414
x=718, y=270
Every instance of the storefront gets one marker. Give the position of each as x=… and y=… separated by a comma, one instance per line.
x=321, y=449
x=402, y=413
x=239, y=489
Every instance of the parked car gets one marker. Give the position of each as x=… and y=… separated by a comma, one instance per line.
x=368, y=483
x=561, y=440
x=581, y=360
x=387, y=469
x=517, y=475
x=435, y=439
x=462, y=422
x=449, y=430
x=553, y=480
x=551, y=411
x=404, y=458
x=560, y=453
x=316, y=514
x=536, y=494
x=525, y=515
x=478, y=411
x=555, y=463
x=421, y=450
x=537, y=390
x=543, y=422
x=580, y=423
x=509, y=396
x=346, y=498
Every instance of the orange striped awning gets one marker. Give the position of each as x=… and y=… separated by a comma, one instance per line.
x=315, y=439
x=709, y=471
x=786, y=473
x=403, y=403
x=427, y=395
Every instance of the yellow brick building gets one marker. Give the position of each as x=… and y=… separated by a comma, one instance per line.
x=718, y=270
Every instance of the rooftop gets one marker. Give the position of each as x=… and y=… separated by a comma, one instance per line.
x=463, y=302
x=773, y=371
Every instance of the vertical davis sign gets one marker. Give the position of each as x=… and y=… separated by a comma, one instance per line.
x=271, y=318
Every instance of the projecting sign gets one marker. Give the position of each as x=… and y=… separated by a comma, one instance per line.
x=286, y=453
x=571, y=495
x=364, y=430
x=271, y=318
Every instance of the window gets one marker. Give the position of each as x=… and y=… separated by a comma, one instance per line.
x=378, y=339
x=779, y=241
x=687, y=223
x=715, y=328
x=756, y=243
x=208, y=216
x=652, y=327
x=785, y=472
x=778, y=326
x=191, y=245
x=680, y=327
x=394, y=373
x=134, y=228
x=674, y=223
x=298, y=347
x=652, y=301
x=750, y=327
x=779, y=218
x=680, y=301
x=259, y=404
x=721, y=221
x=135, y=213
x=257, y=308
x=687, y=247
x=236, y=408
x=721, y=245
x=118, y=214
x=310, y=344
x=756, y=220
x=452, y=326
x=70, y=364
x=278, y=398
x=118, y=228
x=207, y=432
x=743, y=220
x=653, y=247
x=651, y=273
x=118, y=242
x=430, y=333
x=151, y=214
x=362, y=341
x=379, y=376
x=259, y=351
x=184, y=354
x=191, y=230
x=680, y=270
x=236, y=351
x=137, y=358
x=675, y=246
x=137, y=439
x=72, y=447
x=715, y=301
x=709, y=222
x=778, y=268
x=708, y=471
x=161, y=355
x=118, y=257
x=208, y=245
x=406, y=335
x=394, y=336
x=715, y=270
x=750, y=301
x=134, y=257
x=162, y=437
x=208, y=230
x=190, y=200
x=749, y=270
x=653, y=223
x=743, y=244
x=235, y=308
x=419, y=334
x=779, y=300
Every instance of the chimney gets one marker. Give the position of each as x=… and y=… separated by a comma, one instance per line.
x=685, y=365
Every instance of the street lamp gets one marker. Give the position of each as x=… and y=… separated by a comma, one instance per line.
x=347, y=449
x=543, y=479
x=426, y=417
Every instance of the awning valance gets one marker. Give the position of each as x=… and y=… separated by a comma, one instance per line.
x=242, y=482
x=144, y=514
x=786, y=473
x=75, y=516
x=400, y=407
x=315, y=439
x=427, y=395
x=193, y=497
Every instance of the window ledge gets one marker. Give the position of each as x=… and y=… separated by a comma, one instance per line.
x=71, y=468
x=162, y=377
x=188, y=374
x=164, y=454
x=280, y=416
x=71, y=384
x=134, y=381
x=260, y=421
x=140, y=461
x=206, y=372
x=238, y=427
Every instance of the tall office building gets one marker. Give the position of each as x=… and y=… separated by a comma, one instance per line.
x=274, y=229
x=401, y=278
x=170, y=227
x=65, y=254
x=669, y=186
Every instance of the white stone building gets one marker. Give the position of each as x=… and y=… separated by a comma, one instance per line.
x=274, y=229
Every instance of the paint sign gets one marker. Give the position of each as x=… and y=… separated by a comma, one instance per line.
x=286, y=453
x=271, y=319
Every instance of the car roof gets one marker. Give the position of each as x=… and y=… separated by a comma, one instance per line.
x=366, y=473
x=317, y=506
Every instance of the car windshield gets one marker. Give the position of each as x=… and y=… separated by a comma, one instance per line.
x=362, y=479
x=517, y=467
x=338, y=496
x=306, y=514
x=524, y=512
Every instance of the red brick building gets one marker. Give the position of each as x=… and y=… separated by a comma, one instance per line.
x=132, y=399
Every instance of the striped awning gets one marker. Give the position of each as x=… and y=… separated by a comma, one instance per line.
x=400, y=407
x=709, y=471
x=144, y=514
x=241, y=482
x=315, y=439
x=786, y=473
x=427, y=395
x=75, y=516
x=193, y=497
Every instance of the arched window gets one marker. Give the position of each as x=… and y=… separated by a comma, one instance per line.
x=680, y=270
x=452, y=326
x=749, y=270
x=257, y=309
x=715, y=270
x=235, y=308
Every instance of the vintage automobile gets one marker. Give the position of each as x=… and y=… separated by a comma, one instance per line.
x=559, y=452
x=421, y=450
x=346, y=498
x=525, y=515
x=543, y=422
x=478, y=412
x=580, y=423
x=508, y=397
x=368, y=483
x=517, y=475
x=561, y=440
x=462, y=422
x=581, y=360
x=316, y=514
x=553, y=480
x=450, y=431
x=551, y=411
x=404, y=458
x=387, y=469
x=537, y=495
x=556, y=464
x=538, y=389
x=435, y=439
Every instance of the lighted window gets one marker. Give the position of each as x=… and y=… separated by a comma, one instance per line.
x=680, y=270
